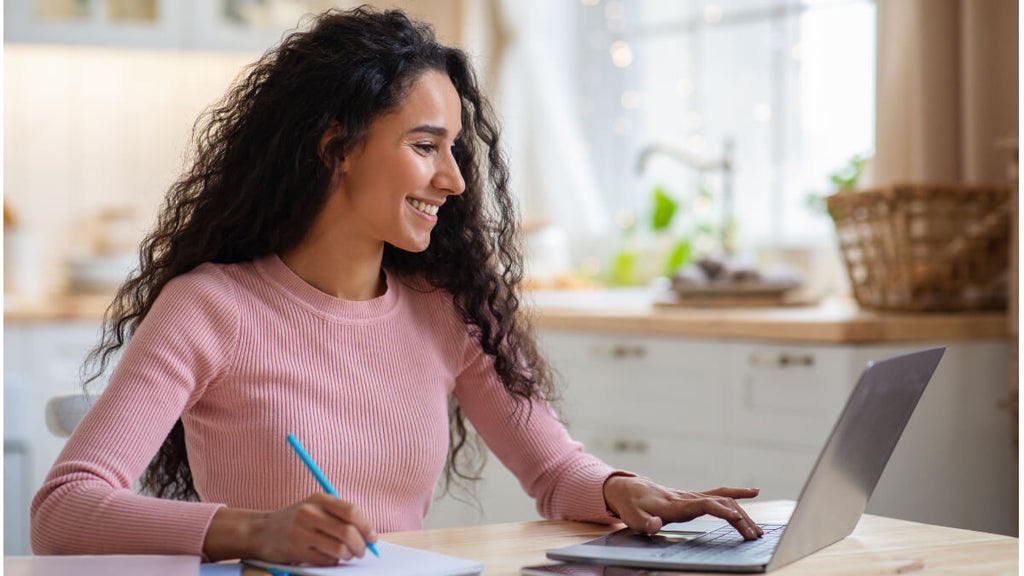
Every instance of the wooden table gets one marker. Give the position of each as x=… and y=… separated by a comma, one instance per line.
x=877, y=546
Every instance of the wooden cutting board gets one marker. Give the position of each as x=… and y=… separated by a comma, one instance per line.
x=723, y=299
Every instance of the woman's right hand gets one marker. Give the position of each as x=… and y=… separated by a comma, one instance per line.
x=320, y=530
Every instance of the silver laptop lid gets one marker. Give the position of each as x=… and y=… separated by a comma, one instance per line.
x=852, y=461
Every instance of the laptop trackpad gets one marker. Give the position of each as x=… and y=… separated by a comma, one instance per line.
x=700, y=525
x=670, y=534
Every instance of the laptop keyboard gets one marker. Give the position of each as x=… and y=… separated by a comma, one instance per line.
x=725, y=544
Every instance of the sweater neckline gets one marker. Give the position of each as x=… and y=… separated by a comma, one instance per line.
x=275, y=270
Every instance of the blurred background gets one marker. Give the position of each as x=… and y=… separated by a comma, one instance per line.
x=738, y=116
x=737, y=111
x=643, y=135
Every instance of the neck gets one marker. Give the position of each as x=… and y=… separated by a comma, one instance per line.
x=349, y=273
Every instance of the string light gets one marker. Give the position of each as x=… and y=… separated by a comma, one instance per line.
x=622, y=54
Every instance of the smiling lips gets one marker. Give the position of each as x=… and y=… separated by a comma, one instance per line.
x=430, y=209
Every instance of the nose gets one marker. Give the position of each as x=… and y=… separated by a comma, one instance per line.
x=448, y=177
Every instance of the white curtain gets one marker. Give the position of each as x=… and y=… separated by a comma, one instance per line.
x=533, y=78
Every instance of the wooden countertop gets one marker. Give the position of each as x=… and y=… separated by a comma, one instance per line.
x=836, y=321
x=56, y=308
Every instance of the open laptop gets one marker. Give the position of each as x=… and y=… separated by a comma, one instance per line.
x=830, y=504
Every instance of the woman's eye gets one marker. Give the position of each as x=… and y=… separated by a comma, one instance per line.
x=426, y=148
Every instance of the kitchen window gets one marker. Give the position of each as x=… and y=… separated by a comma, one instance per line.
x=788, y=85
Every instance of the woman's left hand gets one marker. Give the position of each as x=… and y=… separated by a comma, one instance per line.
x=646, y=506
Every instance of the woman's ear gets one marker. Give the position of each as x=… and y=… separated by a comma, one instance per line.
x=329, y=134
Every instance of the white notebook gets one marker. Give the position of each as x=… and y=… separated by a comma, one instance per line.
x=394, y=560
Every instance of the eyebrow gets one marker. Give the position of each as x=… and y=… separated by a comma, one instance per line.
x=435, y=130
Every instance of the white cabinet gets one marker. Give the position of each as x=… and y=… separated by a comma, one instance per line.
x=41, y=360
x=697, y=414
x=690, y=413
x=153, y=24
x=156, y=24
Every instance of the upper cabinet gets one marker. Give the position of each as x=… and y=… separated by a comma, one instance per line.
x=248, y=25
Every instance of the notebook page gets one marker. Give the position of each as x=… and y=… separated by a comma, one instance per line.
x=394, y=560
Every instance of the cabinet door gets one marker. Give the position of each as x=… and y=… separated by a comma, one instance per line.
x=246, y=26
x=56, y=353
x=668, y=385
x=137, y=23
x=956, y=463
x=788, y=396
x=779, y=473
x=18, y=489
x=653, y=406
x=669, y=459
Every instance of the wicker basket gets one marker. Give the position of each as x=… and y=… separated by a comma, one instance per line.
x=925, y=247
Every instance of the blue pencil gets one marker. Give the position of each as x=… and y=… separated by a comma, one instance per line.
x=324, y=483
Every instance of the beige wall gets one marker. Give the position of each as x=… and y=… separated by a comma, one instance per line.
x=90, y=129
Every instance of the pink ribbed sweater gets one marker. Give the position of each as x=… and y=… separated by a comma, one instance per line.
x=245, y=354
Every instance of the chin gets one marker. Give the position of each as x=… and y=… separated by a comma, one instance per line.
x=413, y=246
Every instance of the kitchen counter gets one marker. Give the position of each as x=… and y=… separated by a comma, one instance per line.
x=56, y=308
x=632, y=311
x=834, y=321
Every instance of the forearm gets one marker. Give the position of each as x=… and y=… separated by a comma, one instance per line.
x=233, y=533
x=90, y=517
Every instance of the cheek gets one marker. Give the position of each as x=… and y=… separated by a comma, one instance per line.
x=390, y=180
x=413, y=174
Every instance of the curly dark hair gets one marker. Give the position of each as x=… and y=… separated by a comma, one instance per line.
x=256, y=180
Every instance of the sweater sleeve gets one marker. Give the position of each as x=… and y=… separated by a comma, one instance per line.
x=552, y=468
x=86, y=504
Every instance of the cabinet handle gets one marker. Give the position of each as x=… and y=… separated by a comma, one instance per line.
x=780, y=360
x=622, y=445
x=619, y=351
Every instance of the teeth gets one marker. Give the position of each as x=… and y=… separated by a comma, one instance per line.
x=423, y=206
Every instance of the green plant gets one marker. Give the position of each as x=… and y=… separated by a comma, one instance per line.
x=846, y=177
x=664, y=209
x=842, y=180
x=642, y=254
x=681, y=254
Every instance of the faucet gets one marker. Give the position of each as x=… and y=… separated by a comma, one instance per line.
x=701, y=165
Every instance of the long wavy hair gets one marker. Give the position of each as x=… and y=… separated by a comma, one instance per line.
x=255, y=181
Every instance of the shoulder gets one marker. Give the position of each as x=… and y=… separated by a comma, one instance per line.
x=208, y=291
x=206, y=282
x=428, y=299
x=416, y=287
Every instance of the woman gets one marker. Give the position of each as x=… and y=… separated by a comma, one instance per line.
x=336, y=265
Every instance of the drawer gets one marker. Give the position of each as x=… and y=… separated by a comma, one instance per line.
x=789, y=396
x=672, y=461
x=670, y=386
